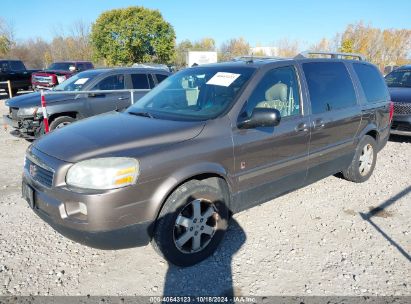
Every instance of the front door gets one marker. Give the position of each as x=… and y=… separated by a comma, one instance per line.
x=270, y=161
x=101, y=102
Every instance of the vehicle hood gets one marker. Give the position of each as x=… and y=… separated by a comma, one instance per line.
x=400, y=94
x=114, y=134
x=34, y=99
x=49, y=72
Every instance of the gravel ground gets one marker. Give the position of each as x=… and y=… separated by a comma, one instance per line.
x=325, y=239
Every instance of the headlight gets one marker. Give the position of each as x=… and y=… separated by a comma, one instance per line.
x=32, y=111
x=103, y=173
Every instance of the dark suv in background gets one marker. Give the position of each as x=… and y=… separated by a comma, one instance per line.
x=25, y=112
x=58, y=72
x=399, y=85
x=209, y=141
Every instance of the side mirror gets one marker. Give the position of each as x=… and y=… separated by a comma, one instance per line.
x=261, y=117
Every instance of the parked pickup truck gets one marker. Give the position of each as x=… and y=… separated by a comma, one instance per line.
x=16, y=72
x=58, y=72
x=25, y=112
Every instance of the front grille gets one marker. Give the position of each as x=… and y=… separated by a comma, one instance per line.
x=14, y=113
x=43, y=79
x=402, y=108
x=401, y=127
x=38, y=173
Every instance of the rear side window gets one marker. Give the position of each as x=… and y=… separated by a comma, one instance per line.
x=140, y=81
x=329, y=85
x=160, y=77
x=372, y=82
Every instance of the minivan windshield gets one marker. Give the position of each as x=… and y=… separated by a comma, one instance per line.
x=198, y=93
x=78, y=81
x=399, y=79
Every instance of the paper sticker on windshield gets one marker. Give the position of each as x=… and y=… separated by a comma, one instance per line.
x=223, y=79
x=81, y=81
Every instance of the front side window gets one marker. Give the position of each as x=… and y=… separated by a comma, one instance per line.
x=278, y=89
x=194, y=94
x=399, y=79
x=78, y=81
x=113, y=82
x=140, y=81
x=372, y=82
x=329, y=85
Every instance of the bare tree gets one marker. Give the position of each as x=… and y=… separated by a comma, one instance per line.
x=288, y=48
x=233, y=48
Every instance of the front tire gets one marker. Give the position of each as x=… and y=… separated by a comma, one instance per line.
x=363, y=163
x=61, y=122
x=192, y=223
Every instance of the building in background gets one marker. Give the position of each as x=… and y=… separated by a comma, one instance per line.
x=199, y=58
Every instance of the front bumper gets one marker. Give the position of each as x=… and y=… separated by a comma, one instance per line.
x=131, y=236
x=401, y=125
x=26, y=128
x=113, y=220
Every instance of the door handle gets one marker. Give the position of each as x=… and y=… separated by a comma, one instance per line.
x=123, y=98
x=319, y=124
x=302, y=127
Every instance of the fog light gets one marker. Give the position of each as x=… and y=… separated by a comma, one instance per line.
x=75, y=210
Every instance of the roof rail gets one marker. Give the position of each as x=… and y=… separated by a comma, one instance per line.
x=252, y=57
x=337, y=55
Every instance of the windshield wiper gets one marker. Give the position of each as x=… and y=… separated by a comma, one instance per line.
x=143, y=114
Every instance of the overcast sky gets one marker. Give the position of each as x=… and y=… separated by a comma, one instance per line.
x=259, y=22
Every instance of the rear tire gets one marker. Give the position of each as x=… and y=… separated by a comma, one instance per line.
x=60, y=122
x=192, y=223
x=363, y=163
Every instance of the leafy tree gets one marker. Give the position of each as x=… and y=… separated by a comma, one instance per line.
x=382, y=47
x=205, y=44
x=132, y=35
x=346, y=46
x=4, y=45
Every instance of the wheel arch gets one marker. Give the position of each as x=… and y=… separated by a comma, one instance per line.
x=71, y=114
x=211, y=173
x=370, y=130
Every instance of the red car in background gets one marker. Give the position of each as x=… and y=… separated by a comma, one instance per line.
x=57, y=72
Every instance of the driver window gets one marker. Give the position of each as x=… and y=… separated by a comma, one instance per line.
x=114, y=82
x=278, y=89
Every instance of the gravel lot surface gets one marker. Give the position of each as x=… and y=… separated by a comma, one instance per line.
x=315, y=241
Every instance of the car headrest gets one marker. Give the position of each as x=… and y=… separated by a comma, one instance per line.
x=277, y=92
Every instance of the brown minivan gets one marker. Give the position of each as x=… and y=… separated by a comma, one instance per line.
x=209, y=141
